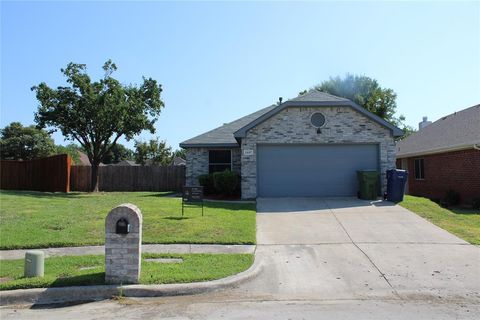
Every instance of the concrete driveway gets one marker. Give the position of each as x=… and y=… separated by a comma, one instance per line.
x=345, y=248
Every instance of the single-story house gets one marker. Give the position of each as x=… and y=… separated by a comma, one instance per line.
x=444, y=155
x=309, y=146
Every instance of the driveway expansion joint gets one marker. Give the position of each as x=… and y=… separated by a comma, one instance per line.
x=363, y=252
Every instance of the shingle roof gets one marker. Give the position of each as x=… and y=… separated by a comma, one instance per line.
x=177, y=161
x=315, y=95
x=223, y=136
x=83, y=158
x=455, y=131
x=226, y=135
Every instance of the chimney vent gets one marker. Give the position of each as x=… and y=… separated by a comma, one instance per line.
x=424, y=123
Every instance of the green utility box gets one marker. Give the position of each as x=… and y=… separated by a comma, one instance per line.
x=367, y=184
x=34, y=263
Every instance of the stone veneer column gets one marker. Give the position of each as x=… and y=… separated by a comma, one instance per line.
x=123, y=251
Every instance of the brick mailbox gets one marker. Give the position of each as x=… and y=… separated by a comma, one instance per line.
x=123, y=244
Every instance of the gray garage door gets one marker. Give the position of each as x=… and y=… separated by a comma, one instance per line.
x=312, y=170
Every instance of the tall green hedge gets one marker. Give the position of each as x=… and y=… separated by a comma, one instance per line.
x=206, y=181
x=226, y=182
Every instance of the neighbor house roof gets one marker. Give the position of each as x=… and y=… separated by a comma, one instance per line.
x=177, y=161
x=459, y=130
x=126, y=163
x=228, y=134
x=83, y=159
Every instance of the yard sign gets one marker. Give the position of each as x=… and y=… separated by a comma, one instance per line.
x=192, y=195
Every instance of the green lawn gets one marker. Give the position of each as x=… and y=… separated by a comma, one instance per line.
x=462, y=223
x=90, y=270
x=40, y=220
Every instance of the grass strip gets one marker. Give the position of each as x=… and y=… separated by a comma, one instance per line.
x=461, y=222
x=64, y=271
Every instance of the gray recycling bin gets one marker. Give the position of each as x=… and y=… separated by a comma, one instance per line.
x=396, y=180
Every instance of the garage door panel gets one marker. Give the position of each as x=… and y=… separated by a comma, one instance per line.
x=312, y=170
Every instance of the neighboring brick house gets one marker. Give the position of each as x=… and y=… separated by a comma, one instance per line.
x=311, y=145
x=444, y=155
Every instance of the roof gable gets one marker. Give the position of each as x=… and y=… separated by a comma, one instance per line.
x=317, y=99
x=453, y=132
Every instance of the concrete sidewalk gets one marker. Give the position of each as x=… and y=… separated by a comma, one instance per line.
x=149, y=248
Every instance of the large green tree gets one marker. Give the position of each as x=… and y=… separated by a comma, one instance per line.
x=98, y=113
x=156, y=151
x=23, y=143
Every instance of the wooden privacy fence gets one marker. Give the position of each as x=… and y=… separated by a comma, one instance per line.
x=130, y=178
x=50, y=174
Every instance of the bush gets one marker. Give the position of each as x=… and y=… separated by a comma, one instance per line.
x=476, y=203
x=226, y=182
x=206, y=181
x=452, y=198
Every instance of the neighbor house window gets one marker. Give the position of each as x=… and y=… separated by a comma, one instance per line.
x=219, y=160
x=419, y=169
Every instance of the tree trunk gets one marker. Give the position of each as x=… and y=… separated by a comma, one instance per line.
x=94, y=178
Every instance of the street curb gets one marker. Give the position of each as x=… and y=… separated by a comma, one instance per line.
x=100, y=292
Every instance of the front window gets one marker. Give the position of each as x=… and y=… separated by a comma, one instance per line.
x=419, y=169
x=219, y=160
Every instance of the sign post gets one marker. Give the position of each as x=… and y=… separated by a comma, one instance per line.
x=192, y=195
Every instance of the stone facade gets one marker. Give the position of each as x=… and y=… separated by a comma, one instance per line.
x=292, y=125
x=197, y=163
x=123, y=251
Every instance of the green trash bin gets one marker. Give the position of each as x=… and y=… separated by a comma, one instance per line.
x=367, y=184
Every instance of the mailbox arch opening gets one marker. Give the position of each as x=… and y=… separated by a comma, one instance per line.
x=122, y=226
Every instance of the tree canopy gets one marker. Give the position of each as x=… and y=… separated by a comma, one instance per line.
x=365, y=92
x=98, y=113
x=70, y=149
x=24, y=143
x=155, y=151
x=181, y=153
x=118, y=153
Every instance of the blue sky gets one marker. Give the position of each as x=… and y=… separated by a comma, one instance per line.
x=218, y=61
